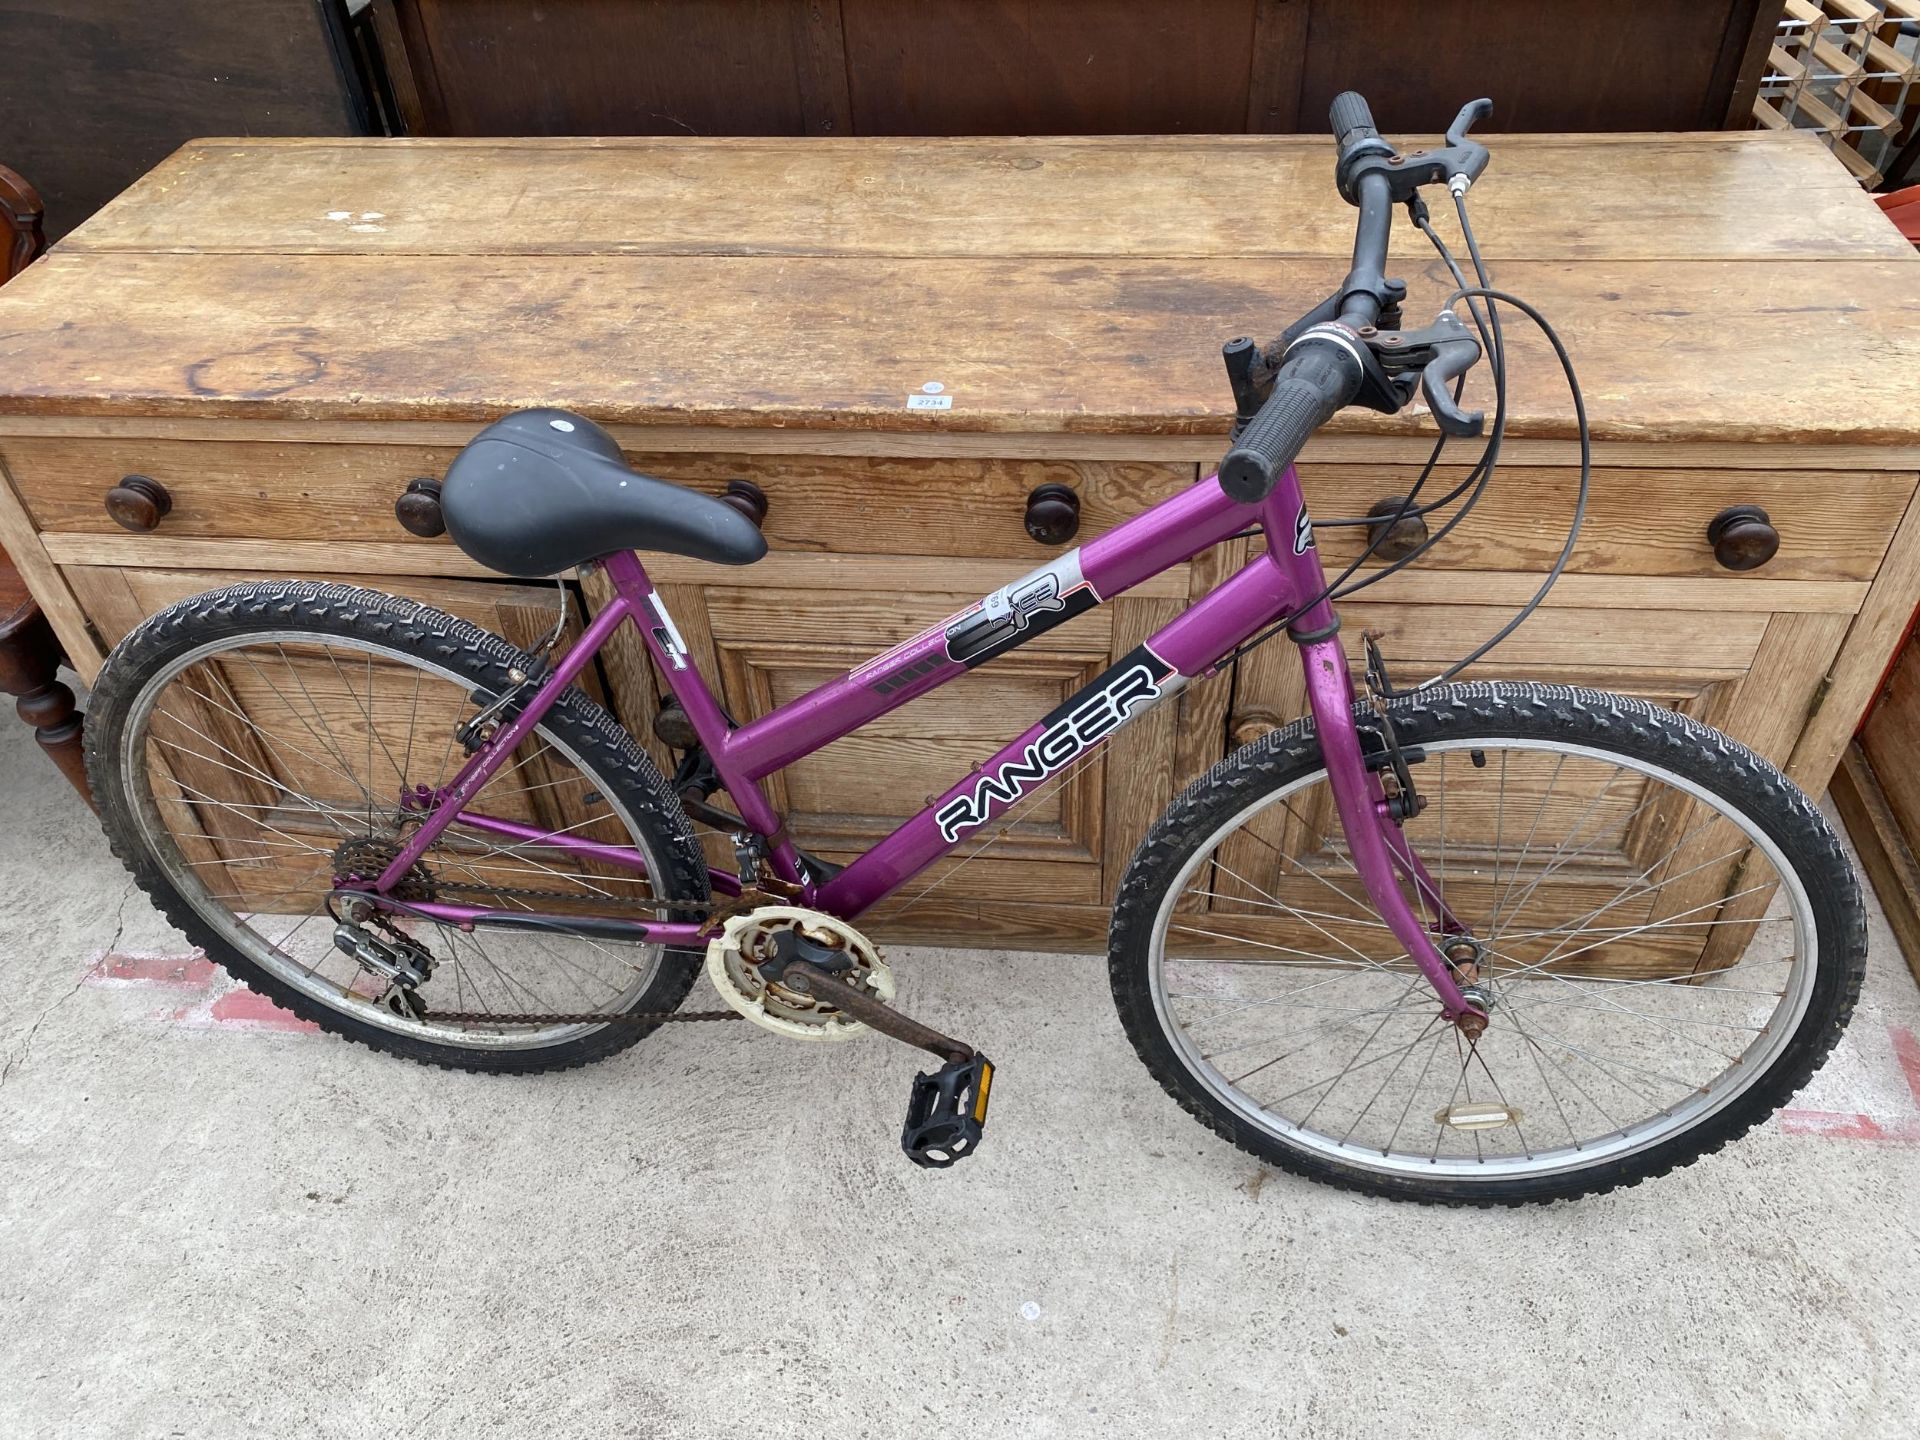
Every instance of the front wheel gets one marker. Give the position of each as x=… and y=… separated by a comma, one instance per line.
x=1669, y=935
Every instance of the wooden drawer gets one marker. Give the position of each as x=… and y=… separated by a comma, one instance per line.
x=260, y=490
x=946, y=506
x=226, y=490
x=1834, y=525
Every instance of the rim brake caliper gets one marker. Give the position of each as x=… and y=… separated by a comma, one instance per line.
x=1404, y=800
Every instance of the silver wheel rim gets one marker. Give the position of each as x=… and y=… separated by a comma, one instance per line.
x=185, y=876
x=1577, y=1151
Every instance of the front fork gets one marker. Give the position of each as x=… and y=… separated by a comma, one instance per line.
x=1380, y=849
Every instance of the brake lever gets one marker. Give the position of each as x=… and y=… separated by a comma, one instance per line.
x=1471, y=114
x=1469, y=156
x=1453, y=356
x=1441, y=353
x=1457, y=164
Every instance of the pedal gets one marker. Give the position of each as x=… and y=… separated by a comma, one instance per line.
x=947, y=1112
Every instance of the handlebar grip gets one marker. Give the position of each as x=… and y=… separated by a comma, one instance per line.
x=1352, y=120
x=1305, y=396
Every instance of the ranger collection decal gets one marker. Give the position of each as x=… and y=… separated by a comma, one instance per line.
x=1138, y=682
x=1013, y=614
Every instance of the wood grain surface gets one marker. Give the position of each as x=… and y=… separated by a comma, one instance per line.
x=1714, y=195
x=1720, y=350
x=1048, y=286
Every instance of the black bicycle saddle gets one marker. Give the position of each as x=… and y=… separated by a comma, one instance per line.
x=542, y=491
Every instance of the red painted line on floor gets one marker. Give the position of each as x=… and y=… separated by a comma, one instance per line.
x=256, y=1012
x=223, y=1003
x=192, y=971
x=1834, y=1125
x=1906, y=1050
x=1840, y=1125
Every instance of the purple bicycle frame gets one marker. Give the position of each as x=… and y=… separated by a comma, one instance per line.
x=1271, y=586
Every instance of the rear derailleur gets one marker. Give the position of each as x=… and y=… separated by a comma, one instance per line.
x=393, y=956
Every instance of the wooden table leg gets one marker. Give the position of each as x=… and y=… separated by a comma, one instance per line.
x=29, y=671
x=29, y=653
x=22, y=236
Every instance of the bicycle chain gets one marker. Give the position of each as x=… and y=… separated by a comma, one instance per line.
x=630, y=1017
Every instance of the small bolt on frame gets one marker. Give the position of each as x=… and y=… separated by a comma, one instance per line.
x=1481, y=942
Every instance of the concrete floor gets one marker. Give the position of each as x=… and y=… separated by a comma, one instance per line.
x=212, y=1225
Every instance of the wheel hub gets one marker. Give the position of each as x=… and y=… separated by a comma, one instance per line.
x=1464, y=954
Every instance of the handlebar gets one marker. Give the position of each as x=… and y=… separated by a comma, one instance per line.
x=1324, y=369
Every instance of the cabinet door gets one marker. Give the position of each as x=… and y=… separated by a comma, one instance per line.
x=1755, y=675
x=810, y=619
x=246, y=750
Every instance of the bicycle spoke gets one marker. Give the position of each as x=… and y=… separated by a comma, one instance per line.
x=1346, y=1069
x=1562, y=860
x=269, y=873
x=1526, y=847
x=1362, y=962
x=1570, y=1064
x=1562, y=955
x=1315, y=1027
x=1291, y=909
x=1343, y=944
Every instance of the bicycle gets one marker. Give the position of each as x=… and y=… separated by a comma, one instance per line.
x=1477, y=942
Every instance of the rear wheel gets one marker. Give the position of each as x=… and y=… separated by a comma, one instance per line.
x=248, y=749
x=1672, y=941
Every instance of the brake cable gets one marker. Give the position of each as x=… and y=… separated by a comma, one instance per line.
x=1580, y=499
x=1481, y=473
x=1486, y=291
x=1477, y=477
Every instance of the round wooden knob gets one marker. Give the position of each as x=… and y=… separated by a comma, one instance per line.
x=138, y=502
x=672, y=727
x=1743, y=537
x=418, y=509
x=1053, y=514
x=748, y=498
x=1248, y=726
x=1395, y=539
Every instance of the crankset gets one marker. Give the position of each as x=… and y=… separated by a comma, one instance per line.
x=798, y=972
x=812, y=976
x=947, y=1110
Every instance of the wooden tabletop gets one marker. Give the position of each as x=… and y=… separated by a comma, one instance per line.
x=1732, y=287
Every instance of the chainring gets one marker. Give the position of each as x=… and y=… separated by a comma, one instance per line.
x=746, y=942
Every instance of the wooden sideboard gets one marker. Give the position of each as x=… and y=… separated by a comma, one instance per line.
x=1060, y=67
x=284, y=333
